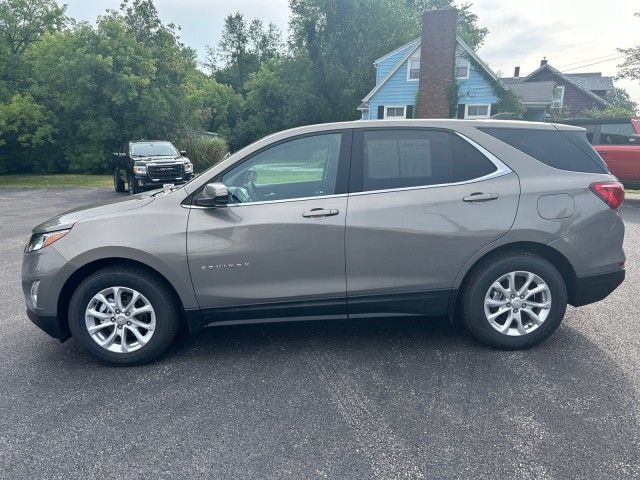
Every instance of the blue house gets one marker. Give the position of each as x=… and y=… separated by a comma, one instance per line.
x=398, y=79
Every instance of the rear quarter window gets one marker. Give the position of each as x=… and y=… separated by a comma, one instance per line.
x=565, y=150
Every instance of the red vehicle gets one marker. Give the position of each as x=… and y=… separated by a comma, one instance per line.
x=617, y=140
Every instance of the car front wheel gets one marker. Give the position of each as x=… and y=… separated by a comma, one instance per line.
x=133, y=188
x=124, y=316
x=515, y=300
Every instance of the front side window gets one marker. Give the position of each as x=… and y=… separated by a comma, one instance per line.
x=394, y=112
x=462, y=67
x=478, y=111
x=616, y=133
x=405, y=158
x=414, y=68
x=299, y=168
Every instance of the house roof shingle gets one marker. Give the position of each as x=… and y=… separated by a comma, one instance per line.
x=531, y=92
x=591, y=81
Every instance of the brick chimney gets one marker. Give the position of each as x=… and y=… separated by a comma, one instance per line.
x=543, y=62
x=516, y=72
x=437, y=61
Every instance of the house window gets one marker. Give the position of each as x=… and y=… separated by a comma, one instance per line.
x=477, y=111
x=394, y=112
x=462, y=68
x=558, y=97
x=413, y=68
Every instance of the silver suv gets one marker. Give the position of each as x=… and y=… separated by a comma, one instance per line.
x=498, y=223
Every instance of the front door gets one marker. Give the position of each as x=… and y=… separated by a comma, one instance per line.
x=422, y=203
x=277, y=250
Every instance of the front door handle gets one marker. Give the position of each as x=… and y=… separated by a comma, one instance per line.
x=319, y=212
x=480, y=197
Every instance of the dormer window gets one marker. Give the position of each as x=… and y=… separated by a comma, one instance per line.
x=413, y=68
x=462, y=68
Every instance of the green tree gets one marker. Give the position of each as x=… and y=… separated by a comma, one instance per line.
x=242, y=49
x=25, y=126
x=22, y=23
x=630, y=68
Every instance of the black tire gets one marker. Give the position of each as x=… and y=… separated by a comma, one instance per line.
x=490, y=270
x=156, y=292
x=118, y=183
x=133, y=189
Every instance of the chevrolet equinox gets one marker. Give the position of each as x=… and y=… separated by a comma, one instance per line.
x=498, y=223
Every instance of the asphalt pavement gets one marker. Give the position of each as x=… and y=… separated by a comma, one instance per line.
x=381, y=399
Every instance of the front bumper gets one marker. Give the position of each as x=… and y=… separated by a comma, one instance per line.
x=596, y=287
x=143, y=181
x=51, y=325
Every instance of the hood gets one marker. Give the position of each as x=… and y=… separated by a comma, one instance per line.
x=68, y=218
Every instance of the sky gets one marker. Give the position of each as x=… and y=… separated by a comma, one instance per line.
x=571, y=34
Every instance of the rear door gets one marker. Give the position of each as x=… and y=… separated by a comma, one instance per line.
x=422, y=203
x=277, y=250
x=620, y=150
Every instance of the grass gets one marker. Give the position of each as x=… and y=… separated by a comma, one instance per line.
x=46, y=181
x=274, y=177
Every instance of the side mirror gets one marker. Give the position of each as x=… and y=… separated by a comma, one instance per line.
x=116, y=154
x=635, y=139
x=183, y=153
x=214, y=194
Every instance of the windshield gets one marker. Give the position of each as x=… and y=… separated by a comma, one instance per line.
x=153, y=149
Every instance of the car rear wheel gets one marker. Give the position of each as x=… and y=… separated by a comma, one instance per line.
x=124, y=316
x=118, y=183
x=515, y=300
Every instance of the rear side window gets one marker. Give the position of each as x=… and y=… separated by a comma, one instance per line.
x=467, y=162
x=616, y=133
x=405, y=158
x=552, y=147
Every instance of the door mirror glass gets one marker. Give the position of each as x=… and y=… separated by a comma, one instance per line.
x=213, y=195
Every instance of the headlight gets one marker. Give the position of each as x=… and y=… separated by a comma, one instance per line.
x=140, y=169
x=41, y=240
x=188, y=167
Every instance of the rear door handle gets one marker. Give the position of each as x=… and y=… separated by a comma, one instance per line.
x=480, y=197
x=320, y=212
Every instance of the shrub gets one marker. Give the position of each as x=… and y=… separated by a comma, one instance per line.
x=204, y=152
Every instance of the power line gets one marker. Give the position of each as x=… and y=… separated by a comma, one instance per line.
x=594, y=63
x=588, y=60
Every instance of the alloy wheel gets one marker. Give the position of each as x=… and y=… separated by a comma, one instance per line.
x=120, y=319
x=517, y=303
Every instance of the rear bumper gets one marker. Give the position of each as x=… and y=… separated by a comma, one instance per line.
x=596, y=287
x=51, y=325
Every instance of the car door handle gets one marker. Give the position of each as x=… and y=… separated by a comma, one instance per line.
x=480, y=197
x=320, y=212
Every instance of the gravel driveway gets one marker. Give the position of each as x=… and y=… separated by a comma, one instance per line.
x=377, y=399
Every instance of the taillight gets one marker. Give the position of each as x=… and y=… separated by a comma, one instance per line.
x=611, y=193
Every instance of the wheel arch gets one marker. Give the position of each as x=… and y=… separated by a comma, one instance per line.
x=91, y=267
x=545, y=251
